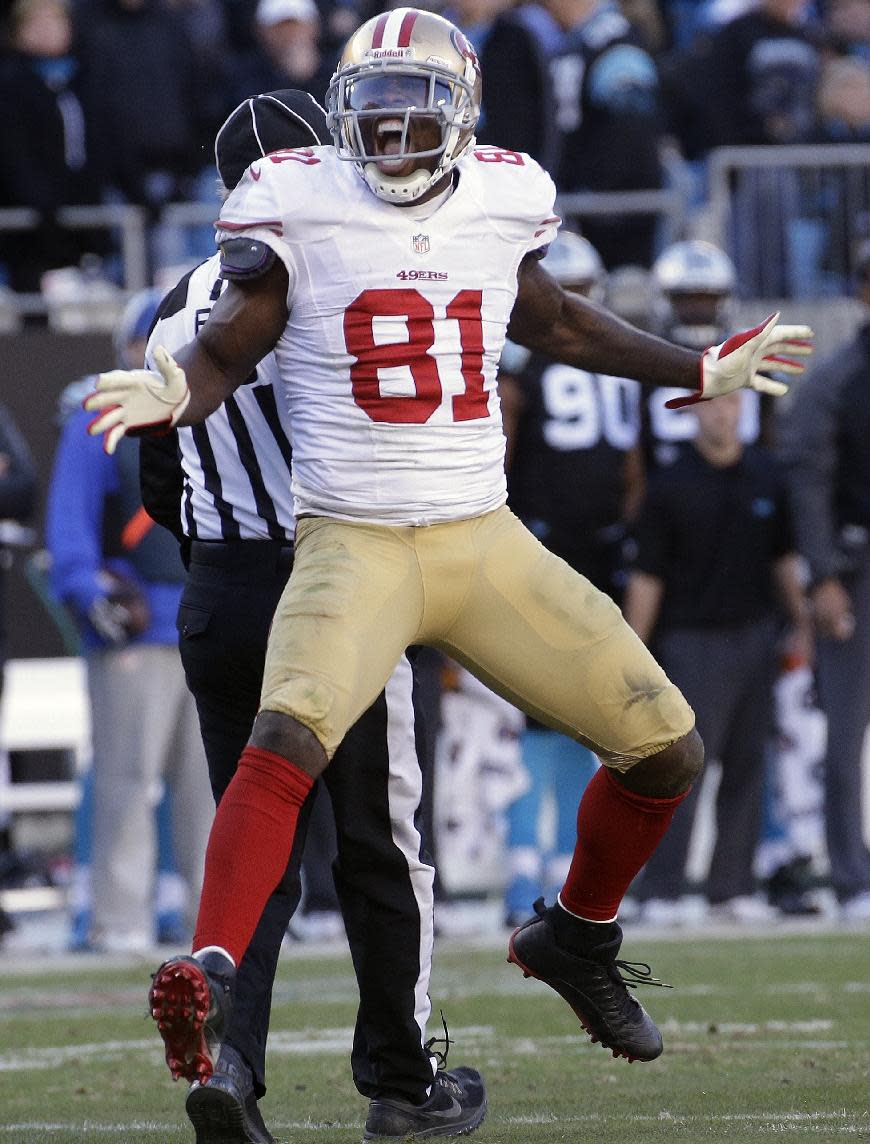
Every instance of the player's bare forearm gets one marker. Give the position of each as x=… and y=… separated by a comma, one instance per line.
x=244, y=325
x=576, y=331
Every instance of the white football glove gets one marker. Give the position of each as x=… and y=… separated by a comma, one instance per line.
x=737, y=362
x=138, y=401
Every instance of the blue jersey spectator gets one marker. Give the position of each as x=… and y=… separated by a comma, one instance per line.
x=607, y=108
x=121, y=577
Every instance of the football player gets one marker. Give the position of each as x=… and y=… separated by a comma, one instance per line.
x=385, y=272
x=223, y=488
x=693, y=290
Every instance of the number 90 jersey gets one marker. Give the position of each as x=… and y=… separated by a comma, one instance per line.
x=396, y=324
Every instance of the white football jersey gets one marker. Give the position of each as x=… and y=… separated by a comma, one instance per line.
x=396, y=325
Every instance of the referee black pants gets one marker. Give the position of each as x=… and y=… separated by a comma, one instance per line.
x=229, y=597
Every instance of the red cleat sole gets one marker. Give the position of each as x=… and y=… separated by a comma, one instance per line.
x=179, y=1000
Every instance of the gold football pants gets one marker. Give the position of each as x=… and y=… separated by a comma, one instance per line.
x=489, y=595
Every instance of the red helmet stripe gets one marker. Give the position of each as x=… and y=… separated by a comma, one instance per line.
x=378, y=36
x=408, y=22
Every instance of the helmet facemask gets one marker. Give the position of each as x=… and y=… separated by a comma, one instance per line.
x=697, y=319
x=385, y=112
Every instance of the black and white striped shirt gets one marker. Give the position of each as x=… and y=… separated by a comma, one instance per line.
x=236, y=464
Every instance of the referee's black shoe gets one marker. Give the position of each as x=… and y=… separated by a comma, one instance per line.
x=455, y=1107
x=224, y=1110
x=578, y=960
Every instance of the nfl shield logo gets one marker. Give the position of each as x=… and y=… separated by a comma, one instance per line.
x=421, y=243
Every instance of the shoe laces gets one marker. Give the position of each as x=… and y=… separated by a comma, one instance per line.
x=639, y=973
x=439, y=1055
x=614, y=989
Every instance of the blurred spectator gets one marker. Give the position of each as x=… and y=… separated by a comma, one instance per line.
x=122, y=579
x=761, y=81
x=847, y=25
x=608, y=111
x=519, y=110
x=46, y=158
x=648, y=18
x=843, y=194
x=825, y=442
x=685, y=97
x=574, y=475
x=207, y=27
x=338, y=21
x=475, y=18
x=686, y=20
x=714, y=548
x=844, y=100
x=239, y=15
x=762, y=76
x=170, y=897
x=286, y=53
x=17, y=502
x=747, y=76
x=147, y=104
x=17, y=494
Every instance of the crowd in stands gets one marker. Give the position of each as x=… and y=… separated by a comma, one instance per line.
x=115, y=101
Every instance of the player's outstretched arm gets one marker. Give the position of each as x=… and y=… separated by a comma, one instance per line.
x=579, y=332
x=243, y=327
x=574, y=330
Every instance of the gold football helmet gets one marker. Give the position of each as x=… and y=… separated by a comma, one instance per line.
x=407, y=87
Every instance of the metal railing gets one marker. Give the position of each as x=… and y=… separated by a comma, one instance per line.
x=791, y=216
x=668, y=205
x=130, y=223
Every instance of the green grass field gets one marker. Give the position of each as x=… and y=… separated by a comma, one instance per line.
x=763, y=1038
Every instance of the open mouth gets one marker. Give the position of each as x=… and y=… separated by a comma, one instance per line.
x=388, y=144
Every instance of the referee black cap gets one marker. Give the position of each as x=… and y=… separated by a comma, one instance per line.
x=273, y=121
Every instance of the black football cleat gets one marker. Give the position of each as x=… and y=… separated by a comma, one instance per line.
x=455, y=1107
x=190, y=1000
x=590, y=981
x=224, y=1109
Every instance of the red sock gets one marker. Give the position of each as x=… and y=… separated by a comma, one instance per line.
x=617, y=832
x=248, y=848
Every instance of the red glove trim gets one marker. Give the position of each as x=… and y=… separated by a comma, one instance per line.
x=738, y=340
x=681, y=402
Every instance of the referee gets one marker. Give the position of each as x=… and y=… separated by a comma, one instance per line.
x=224, y=488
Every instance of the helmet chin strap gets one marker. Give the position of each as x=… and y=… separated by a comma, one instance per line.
x=398, y=188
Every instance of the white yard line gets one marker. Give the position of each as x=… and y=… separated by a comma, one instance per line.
x=335, y=1042
x=841, y=1122
x=451, y=988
